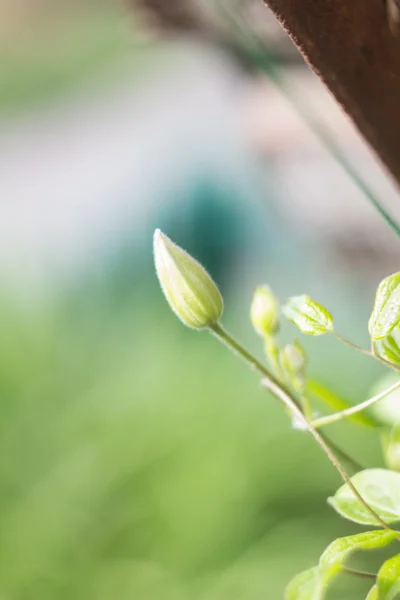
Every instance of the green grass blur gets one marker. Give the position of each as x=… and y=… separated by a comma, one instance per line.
x=139, y=460
x=46, y=58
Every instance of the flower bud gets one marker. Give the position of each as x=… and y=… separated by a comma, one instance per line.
x=386, y=312
x=293, y=359
x=264, y=311
x=190, y=291
x=309, y=316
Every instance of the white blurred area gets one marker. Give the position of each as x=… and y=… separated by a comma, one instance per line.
x=81, y=166
x=74, y=173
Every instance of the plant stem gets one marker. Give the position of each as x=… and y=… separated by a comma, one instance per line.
x=229, y=341
x=354, y=409
x=307, y=408
x=353, y=346
x=281, y=394
x=288, y=399
x=359, y=573
x=356, y=466
x=272, y=353
x=366, y=352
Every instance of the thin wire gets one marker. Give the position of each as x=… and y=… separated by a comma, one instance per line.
x=266, y=61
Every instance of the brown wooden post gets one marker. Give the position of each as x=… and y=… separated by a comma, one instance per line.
x=351, y=46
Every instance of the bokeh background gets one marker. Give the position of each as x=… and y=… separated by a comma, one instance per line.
x=139, y=460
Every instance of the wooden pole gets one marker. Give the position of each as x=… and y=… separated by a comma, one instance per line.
x=356, y=52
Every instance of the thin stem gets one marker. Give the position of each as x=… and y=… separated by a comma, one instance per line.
x=364, y=574
x=353, y=346
x=272, y=353
x=307, y=408
x=279, y=393
x=234, y=345
x=286, y=397
x=356, y=466
x=366, y=352
x=348, y=412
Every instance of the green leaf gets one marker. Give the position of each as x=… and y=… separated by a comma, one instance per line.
x=340, y=549
x=334, y=402
x=379, y=487
x=373, y=594
x=309, y=585
x=309, y=316
x=388, y=348
x=386, y=312
x=313, y=584
x=388, y=581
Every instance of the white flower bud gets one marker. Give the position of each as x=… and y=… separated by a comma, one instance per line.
x=293, y=360
x=190, y=291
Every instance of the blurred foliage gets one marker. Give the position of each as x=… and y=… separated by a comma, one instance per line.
x=139, y=460
x=46, y=57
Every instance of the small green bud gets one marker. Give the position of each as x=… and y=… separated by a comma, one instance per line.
x=190, y=291
x=386, y=312
x=293, y=359
x=388, y=348
x=264, y=311
x=309, y=316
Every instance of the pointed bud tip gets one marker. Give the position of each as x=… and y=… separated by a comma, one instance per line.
x=158, y=238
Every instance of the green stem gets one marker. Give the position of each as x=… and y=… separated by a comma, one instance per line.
x=307, y=408
x=272, y=353
x=355, y=465
x=229, y=341
x=364, y=574
x=353, y=346
x=288, y=400
x=348, y=412
x=366, y=352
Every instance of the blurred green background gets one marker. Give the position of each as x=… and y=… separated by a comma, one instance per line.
x=139, y=460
